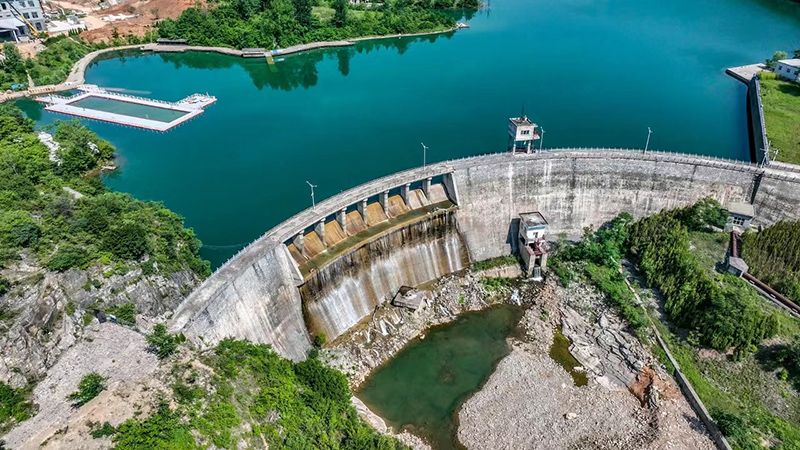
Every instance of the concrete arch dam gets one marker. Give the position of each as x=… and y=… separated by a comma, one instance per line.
x=326, y=268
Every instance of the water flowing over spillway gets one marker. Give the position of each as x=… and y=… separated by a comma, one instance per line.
x=340, y=294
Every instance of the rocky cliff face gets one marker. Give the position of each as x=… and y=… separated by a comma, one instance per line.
x=44, y=313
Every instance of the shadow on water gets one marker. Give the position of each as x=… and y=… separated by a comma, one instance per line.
x=422, y=388
x=293, y=71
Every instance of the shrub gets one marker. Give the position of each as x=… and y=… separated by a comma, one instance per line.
x=91, y=386
x=127, y=241
x=14, y=405
x=67, y=257
x=102, y=431
x=500, y=261
x=161, y=342
x=496, y=283
x=162, y=430
x=5, y=285
x=320, y=340
x=326, y=382
x=125, y=312
x=724, y=315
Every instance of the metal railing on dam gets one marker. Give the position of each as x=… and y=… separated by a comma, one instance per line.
x=300, y=221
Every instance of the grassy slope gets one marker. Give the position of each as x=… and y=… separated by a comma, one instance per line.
x=769, y=406
x=782, y=116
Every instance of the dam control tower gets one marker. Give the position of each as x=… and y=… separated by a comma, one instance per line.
x=522, y=133
x=532, y=247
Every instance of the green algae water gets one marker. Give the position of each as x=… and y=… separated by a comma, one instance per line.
x=591, y=73
x=559, y=352
x=422, y=387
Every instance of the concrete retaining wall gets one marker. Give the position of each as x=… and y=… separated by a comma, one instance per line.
x=755, y=118
x=255, y=295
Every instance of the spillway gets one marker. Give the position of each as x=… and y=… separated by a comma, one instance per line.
x=340, y=294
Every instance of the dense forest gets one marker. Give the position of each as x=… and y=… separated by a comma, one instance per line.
x=721, y=314
x=721, y=311
x=774, y=257
x=64, y=219
x=283, y=23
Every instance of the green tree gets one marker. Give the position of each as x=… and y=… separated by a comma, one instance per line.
x=339, y=13
x=282, y=16
x=161, y=342
x=13, y=62
x=777, y=56
x=302, y=11
x=91, y=386
x=127, y=241
x=797, y=53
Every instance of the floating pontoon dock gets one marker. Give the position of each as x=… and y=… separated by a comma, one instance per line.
x=96, y=103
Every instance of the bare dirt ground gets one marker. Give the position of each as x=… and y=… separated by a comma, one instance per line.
x=147, y=13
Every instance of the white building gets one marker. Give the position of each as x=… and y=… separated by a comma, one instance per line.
x=16, y=18
x=789, y=69
x=532, y=246
x=521, y=134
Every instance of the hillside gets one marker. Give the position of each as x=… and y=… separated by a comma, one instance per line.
x=70, y=250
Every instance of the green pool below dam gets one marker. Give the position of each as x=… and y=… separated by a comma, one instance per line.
x=422, y=387
x=593, y=74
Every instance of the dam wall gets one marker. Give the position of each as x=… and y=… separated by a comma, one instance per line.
x=759, y=144
x=261, y=304
x=340, y=294
x=260, y=294
x=575, y=191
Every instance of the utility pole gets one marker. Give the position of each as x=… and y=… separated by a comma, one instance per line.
x=647, y=144
x=541, y=141
x=424, y=153
x=313, y=202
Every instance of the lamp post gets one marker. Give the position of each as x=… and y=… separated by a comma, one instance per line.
x=313, y=202
x=647, y=144
x=541, y=141
x=424, y=153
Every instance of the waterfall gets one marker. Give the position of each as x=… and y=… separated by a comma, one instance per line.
x=340, y=294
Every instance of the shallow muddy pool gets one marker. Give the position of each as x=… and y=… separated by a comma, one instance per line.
x=423, y=386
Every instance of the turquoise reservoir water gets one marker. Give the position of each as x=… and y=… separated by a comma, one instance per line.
x=424, y=384
x=592, y=73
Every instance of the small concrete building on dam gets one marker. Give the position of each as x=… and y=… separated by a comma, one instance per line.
x=326, y=268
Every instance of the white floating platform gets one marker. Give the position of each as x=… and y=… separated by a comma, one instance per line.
x=191, y=107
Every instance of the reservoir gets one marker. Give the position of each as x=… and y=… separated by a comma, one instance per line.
x=591, y=73
x=422, y=387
